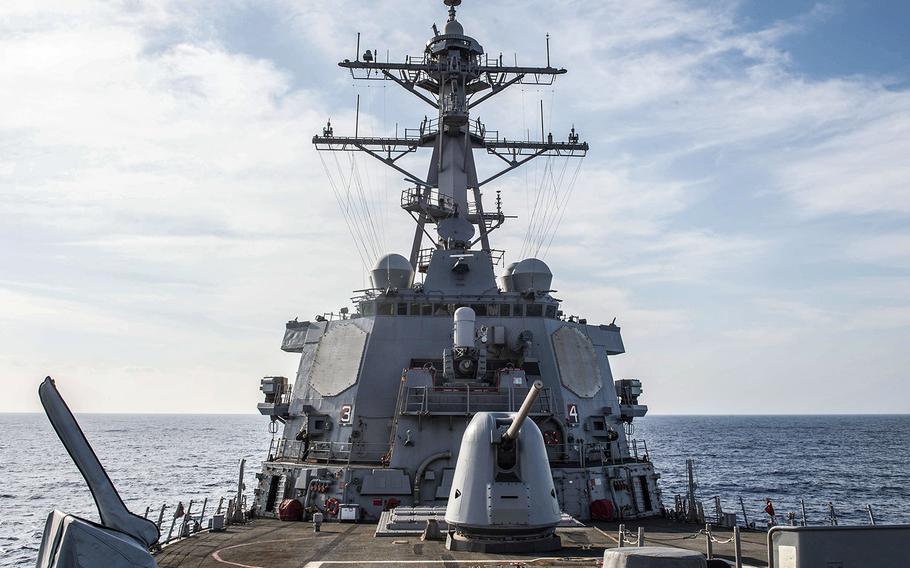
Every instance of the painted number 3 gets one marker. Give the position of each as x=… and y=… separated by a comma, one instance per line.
x=345, y=416
x=573, y=414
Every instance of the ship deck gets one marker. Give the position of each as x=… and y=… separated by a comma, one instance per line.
x=268, y=543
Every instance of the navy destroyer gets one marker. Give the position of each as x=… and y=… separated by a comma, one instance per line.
x=464, y=408
x=374, y=417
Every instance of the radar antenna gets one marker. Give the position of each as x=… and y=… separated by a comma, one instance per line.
x=453, y=76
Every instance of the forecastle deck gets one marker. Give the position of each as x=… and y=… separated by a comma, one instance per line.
x=267, y=543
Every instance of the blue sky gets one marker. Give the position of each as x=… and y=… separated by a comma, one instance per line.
x=743, y=212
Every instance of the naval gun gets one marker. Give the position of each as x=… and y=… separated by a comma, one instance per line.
x=502, y=497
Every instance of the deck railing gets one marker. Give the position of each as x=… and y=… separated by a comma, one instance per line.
x=180, y=521
x=296, y=451
x=467, y=400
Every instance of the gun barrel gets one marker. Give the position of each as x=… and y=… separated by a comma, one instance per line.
x=512, y=432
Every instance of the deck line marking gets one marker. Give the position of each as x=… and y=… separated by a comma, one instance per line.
x=218, y=558
x=217, y=554
x=453, y=561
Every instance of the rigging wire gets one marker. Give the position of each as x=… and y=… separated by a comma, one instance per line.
x=534, y=211
x=366, y=211
x=344, y=213
x=552, y=205
x=564, y=208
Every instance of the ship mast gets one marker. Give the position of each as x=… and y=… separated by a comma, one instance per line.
x=453, y=76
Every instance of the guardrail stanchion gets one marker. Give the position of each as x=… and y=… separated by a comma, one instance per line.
x=708, y=544
x=737, y=548
x=185, y=525
x=622, y=530
x=171, y=530
x=205, y=503
x=161, y=516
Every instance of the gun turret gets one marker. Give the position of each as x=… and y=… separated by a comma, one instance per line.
x=512, y=433
x=502, y=498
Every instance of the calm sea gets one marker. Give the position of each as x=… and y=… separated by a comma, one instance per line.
x=852, y=461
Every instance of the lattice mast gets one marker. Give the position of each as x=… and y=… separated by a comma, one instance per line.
x=453, y=76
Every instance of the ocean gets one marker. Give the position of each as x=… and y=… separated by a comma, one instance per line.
x=852, y=461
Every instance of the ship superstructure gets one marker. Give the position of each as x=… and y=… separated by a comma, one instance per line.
x=382, y=396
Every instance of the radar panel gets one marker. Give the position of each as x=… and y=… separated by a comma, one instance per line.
x=577, y=362
x=338, y=358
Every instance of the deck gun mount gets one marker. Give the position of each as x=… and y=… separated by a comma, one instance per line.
x=502, y=497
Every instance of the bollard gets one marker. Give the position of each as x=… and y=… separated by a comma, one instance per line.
x=737, y=548
x=708, y=544
x=622, y=530
x=641, y=536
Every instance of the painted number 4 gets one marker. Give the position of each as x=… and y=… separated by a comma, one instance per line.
x=345, y=416
x=572, y=414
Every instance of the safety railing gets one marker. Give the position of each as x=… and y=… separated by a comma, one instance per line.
x=430, y=127
x=183, y=521
x=425, y=255
x=429, y=198
x=466, y=400
x=639, y=450
x=296, y=451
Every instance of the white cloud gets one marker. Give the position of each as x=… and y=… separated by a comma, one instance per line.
x=157, y=181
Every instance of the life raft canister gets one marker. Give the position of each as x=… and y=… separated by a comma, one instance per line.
x=290, y=510
x=602, y=510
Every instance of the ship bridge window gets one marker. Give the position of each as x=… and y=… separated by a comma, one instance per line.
x=493, y=309
x=368, y=308
x=505, y=310
x=479, y=309
x=426, y=309
x=441, y=310
x=402, y=309
x=518, y=310
x=385, y=309
x=535, y=310
x=551, y=312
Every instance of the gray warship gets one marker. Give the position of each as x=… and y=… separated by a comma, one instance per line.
x=383, y=393
x=465, y=408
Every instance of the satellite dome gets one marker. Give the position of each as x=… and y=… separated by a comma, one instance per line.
x=453, y=27
x=392, y=271
x=531, y=273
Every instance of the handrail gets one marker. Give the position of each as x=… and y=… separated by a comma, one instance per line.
x=191, y=522
x=467, y=400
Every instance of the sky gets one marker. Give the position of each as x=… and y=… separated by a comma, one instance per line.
x=743, y=211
